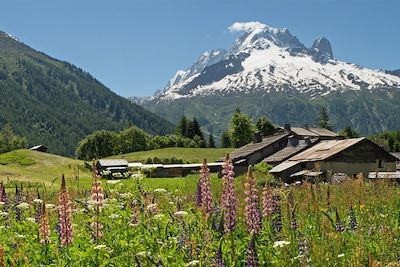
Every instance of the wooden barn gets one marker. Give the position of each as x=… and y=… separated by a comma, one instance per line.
x=40, y=148
x=260, y=148
x=397, y=155
x=349, y=156
x=112, y=165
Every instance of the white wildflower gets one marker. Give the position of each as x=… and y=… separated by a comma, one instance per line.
x=340, y=255
x=38, y=201
x=151, y=206
x=30, y=219
x=100, y=247
x=23, y=206
x=158, y=216
x=281, y=243
x=114, y=216
x=160, y=190
x=180, y=213
x=125, y=195
x=113, y=182
x=3, y=213
x=193, y=263
x=50, y=206
x=2, y=203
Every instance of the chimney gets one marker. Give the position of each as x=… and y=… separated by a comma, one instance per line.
x=293, y=141
x=307, y=140
x=287, y=127
x=306, y=126
x=257, y=137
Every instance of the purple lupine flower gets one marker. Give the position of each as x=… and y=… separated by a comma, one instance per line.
x=252, y=258
x=218, y=261
x=293, y=223
x=205, y=187
x=4, y=197
x=267, y=204
x=276, y=213
x=353, y=220
x=251, y=210
x=303, y=251
x=228, y=201
x=339, y=225
x=65, y=214
x=18, y=200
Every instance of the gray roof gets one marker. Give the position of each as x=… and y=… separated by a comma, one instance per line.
x=326, y=149
x=384, y=175
x=113, y=162
x=283, y=166
x=313, y=132
x=251, y=148
x=289, y=151
x=396, y=154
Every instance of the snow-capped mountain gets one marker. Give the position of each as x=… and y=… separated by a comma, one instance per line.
x=266, y=59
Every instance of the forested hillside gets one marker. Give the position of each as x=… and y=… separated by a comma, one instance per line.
x=55, y=103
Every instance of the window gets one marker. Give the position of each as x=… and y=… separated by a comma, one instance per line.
x=381, y=164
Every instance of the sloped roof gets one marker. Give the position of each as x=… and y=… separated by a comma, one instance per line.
x=303, y=132
x=37, y=147
x=396, y=154
x=251, y=148
x=284, y=166
x=113, y=162
x=313, y=132
x=323, y=132
x=325, y=149
x=289, y=151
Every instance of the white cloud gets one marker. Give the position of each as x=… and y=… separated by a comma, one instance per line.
x=246, y=26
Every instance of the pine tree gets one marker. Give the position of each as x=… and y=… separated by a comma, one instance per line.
x=211, y=142
x=225, y=139
x=181, y=127
x=323, y=120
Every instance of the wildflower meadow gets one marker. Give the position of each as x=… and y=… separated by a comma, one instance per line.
x=232, y=221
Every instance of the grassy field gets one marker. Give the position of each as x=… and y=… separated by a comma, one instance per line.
x=193, y=155
x=36, y=167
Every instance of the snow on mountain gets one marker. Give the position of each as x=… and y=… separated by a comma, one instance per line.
x=266, y=59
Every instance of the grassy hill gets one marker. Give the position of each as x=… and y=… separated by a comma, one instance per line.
x=55, y=103
x=188, y=154
x=42, y=168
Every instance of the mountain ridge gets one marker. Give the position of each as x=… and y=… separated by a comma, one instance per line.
x=55, y=103
x=272, y=59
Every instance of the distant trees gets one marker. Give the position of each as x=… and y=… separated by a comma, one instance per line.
x=211, y=142
x=264, y=126
x=102, y=144
x=10, y=141
x=190, y=129
x=241, y=129
x=323, y=119
x=349, y=132
x=390, y=140
x=97, y=145
x=225, y=139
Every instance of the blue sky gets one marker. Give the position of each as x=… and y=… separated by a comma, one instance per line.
x=134, y=47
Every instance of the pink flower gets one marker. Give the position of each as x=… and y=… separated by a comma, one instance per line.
x=205, y=188
x=44, y=227
x=65, y=215
x=228, y=201
x=97, y=198
x=251, y=210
